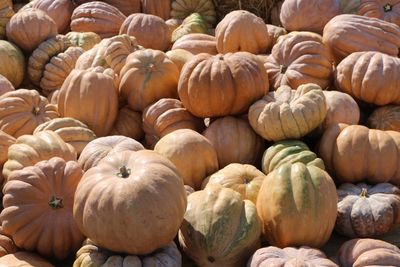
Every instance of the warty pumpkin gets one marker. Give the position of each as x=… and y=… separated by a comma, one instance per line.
x=6, y=12
x=386, y=118
x=180, y=9
x=38, y=204
x=59, y=10
x=387, y=10
x=85, y=40
x=13, y=67
x=5, y=85
x=197, y=43
x=123, y=224
x=23, y=258
x=160, y=8
x=128, y=123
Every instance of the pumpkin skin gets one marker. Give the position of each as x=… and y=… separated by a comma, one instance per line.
x=359, y=76
x=160, y=8
x=90, y=255
x=299, y=58
x=179, y=57
x=385, y=118
x=191, y=24
x=13, y=67
x=102, y=147
x=341, y=146
x=243, y=178
x=221, y=85
x=165, y=116
x=368, y=252
x=90, y=96
x=128, y=123
x=197, y=43
x=25, y=259
x=372, y=35
x=290, y=256
x=59, y=10
x=6, y=12
x=19, y=29
x=289, y=151
x=7, y=245
x=180, y=9
x=293, y=13
x=229, y=238
x=6, y=141
x=85, y=40
x=231, y=31
x=121, y=225
x=235, y=141
x=274, y=33
x=97, y=17
x=44, y=195
x=148, y=75
x=367, y=211
x=139, y=25
x=288, y=114
x=293, y=201
x=183, y=147
x=385, y=10
x=28, y=108
x=126, y=7
x=5, y=85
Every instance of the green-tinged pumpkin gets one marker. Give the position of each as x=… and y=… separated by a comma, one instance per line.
x=13, y=63
x=192, y=24
x=180, y=9
x=85, y=40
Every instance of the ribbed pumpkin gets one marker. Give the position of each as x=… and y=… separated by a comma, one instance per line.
x=124, y=225
x=7, y=245
x=148, y=75
x=241, y=30
x=21, y=111
x=214, y=86
x=385, y=118
x=288, y=114
x=128, y=123
x=299, y=58
x=235, y=141
x=23, y=258
x=101, y=147
x=183, y=147
x=219, y=228
x=165, y=116
x=274, y=33
x=179, y=57
x=6, y=12
x=90, y=96
x=341, y=146
x=140, y=25
x=38, y=204
x=98, y=17
x=294, y=201
x=191, y=24
x=13, y=63
x=387, y=10
x=90, y=255
x=180, y=9
x=6, y=141
x=359, y=76
x=5, y=85
x=197, y=43
x=85, y=40
x=19, y=29
x=59, y=10
x=308, y=15
x=371, y=35
x=160, y=8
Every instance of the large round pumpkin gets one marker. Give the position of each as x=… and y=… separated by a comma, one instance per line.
x=139, y=224
x=386, y=118
x=13, y=63
x=387, y=10
x=59, y=10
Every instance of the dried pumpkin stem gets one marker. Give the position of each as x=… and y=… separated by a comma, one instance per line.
x=56, y=203
x=387, y=7
x=364, y=192
x=283, y=69
x=124, y=172
x=35, y=110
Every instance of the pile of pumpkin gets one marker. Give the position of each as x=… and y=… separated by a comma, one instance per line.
x=135, y=132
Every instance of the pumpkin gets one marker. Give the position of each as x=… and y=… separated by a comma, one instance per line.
x=53, y=96
x=85, y=40
x=289, y=151
x=241, y=30
x=165, y=116
x=121, y=224
x=180, y=9
x=173, y=24
x=160, y=8
x=385, y=118
x=97, y=17
x=7, y=245
x=148, y=75
x=19, y=29
x=299, y=58
x=43, y=54
x=140, y=25
x=179, y=57
x=6, y=141
x=101, y=147
x=387, y=10
x=191, y=24
x=6, y=12
x=90, y=96
x=25, y=259
x=197, y=43
x=367, y=211
x=349, y=6
x=5, y=85
x=215, y=86
x=341, y=146
x=90, y=255
x=235, y=141
x=274, y=33
x=219, y=228
x=243, y=178
x=294, y=200
x=368, y=252
x=316, y=12
x=59, y=10
x=38, y=204
x=21, y=111
x=359, y=75
x=128, y=123
x=126, y=7
x=288, y=114
x=13, y=67
x=70, y=130
x=183, y=147
x=58, y=68
x=290, y=256
x=371, y=35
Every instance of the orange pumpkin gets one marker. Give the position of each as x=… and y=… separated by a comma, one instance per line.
x=59, y=10
x=197, y=43
x=128, y=123
x=160, y=8
x=25, y=259
x=6, y=12
x=387, y=10
x=386, y=118
x=7, y=245
x=5, y=85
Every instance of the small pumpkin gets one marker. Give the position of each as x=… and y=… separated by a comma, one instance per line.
x=13, y=67
x=160, y=8
x=386, y=118
x=23, y=258
x=6, y=12
x=387, y=10
x=197, y=43
x=59, y=10
x=5, y=85
x=191, y=24
x=180, y=9
x=85, y=40
x=128, y=123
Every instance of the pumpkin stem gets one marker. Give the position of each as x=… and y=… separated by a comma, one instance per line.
x=246, y=180
x=124, y=172
x=56, y=203
x=364, y=192
x=387, y=7
x=210, y=259
x=35, y=110
x=283, y=69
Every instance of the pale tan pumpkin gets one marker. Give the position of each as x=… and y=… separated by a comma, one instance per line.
x=5, y=85
x=197, y=43
x=59, y=10
x=128, y=123
x=387, y=10
x=274, y=33
x=85, y=40
x=25, y=259
x=7, y=245
x=6, y=12
x=179, y=57
x=180, y=9
x=386, y=118
x=13, y=67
